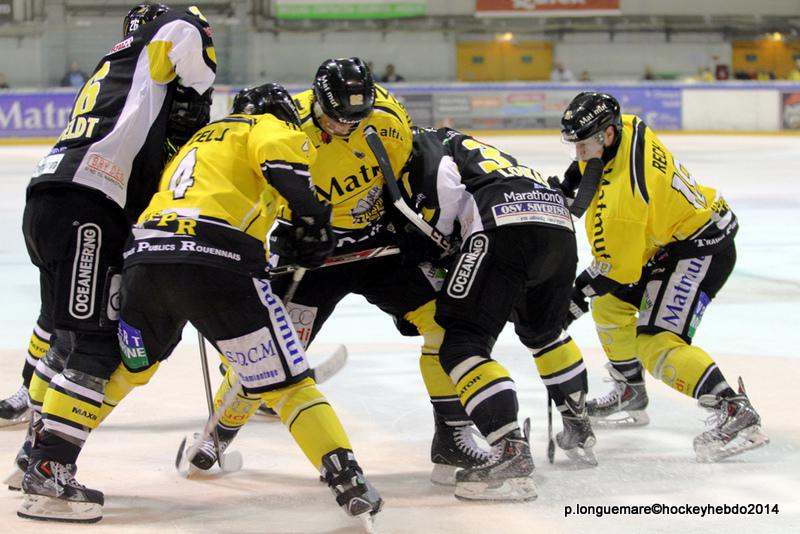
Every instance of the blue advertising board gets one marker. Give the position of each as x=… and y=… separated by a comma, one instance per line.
x=34, y=114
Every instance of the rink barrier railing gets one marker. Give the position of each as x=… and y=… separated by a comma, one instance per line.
x=31, y=116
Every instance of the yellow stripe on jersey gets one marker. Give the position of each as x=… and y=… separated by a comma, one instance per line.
x=646, y=199
x=212, y=54
x=161, y=68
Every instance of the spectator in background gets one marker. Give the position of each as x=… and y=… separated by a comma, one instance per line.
x=704, y=74
x=561, y=74
x=721, y=70
x=74, y=77
x=390, y=76
x=584, y=77
x=765, y=75
x=794, y=74
x=3, y=82
x=648, y=74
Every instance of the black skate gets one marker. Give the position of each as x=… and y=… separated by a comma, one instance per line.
x=14, y=410
x=200, y=453
x=354, y=493
x=577, y=439
x=736, y=427
x=51, y=493
x=508, y=477
x=454, y=447
x=623, y=406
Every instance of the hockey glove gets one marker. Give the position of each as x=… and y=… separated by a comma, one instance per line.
x=578, y=305
x=190, y=111
x=311, y=240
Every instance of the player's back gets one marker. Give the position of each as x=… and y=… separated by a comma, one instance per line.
x=117, y=126
x=217, y=175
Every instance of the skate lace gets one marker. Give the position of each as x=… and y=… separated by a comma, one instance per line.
x=718, y=413
x=65, y=475
x=464, y=437
x=615, y=395
x=19, y=399
x=207, y=447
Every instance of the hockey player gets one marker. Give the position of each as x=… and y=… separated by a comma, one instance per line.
x=83, y=195
x=199, y=247
x=663, y=246
x=15, y=409
x=517, y=261
x=343, y=101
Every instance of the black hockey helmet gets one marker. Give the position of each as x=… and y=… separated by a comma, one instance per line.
x=268, y=98
x=344, y=89
x=588, y=114
x=141, y=15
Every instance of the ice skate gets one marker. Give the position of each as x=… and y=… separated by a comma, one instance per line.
x=51, y=493
x=623, y=406
x=14, y=410
x=354, y=493
x=508, y=477
x=198, y=453
x=456, y=447
x=736, y=427
x=577, y=439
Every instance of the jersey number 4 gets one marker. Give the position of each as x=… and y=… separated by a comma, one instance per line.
x=183, y=177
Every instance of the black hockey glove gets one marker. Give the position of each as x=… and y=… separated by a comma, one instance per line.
x=311, y=240
x=578, y=305
x=416, y=247
x=190, y=111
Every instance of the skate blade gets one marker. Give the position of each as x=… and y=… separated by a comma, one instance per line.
x=520, y=489
x=582, y=456
x=633, y=418
x=745, y=440
x=14, y=479
x=331, y=366
x=23, y=417
x=231, y=461
x=444, y=475
x=368, y=522
x=45, y=508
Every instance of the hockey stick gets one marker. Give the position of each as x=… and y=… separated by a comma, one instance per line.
x=228, y=462
x=551, y=443
x=377, y=252
x=389, y=178
x=298, y=275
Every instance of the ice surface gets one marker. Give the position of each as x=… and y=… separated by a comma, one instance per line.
x=751, y=329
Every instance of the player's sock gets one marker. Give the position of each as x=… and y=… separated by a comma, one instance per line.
x=310, y=419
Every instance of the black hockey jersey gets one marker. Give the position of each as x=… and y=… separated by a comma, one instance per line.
x=453, y=177
x=117, y=129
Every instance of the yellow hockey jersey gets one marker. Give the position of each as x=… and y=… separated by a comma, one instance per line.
x=217, y=197
x=647, y=200
x=346, y=173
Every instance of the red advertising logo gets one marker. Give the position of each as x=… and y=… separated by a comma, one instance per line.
x=505, y=8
